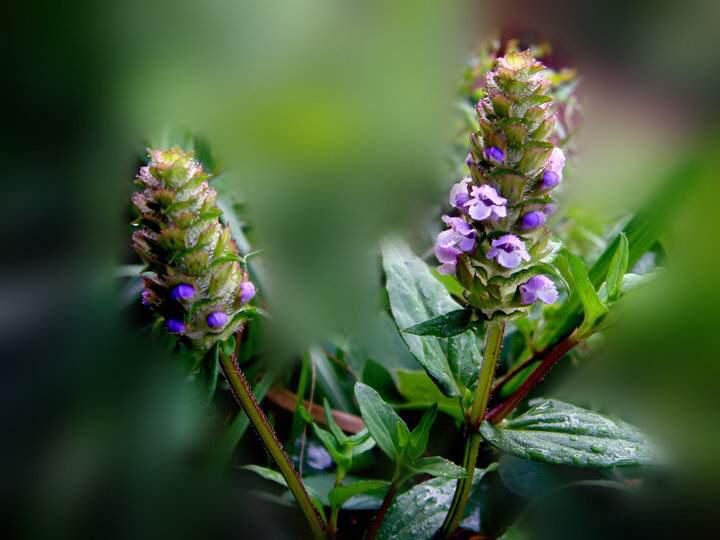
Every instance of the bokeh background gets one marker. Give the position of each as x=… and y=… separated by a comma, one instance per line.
x=332, y=122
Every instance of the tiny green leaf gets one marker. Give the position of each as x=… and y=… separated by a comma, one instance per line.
x=420, y=391
x=438, y=466
x=331, y=445
x=576, y=273
x=420, y=435
x=267, y=474
x=563, y=434
x=618, y=268
x=340, y=494
x=447, y=325
x=383, y=423
x=334, y=428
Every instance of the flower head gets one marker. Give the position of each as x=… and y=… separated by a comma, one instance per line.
x=509, y=251
x=217, y=319
x=486, y=204
x=458, y=239
x=183, y=291
x=538, y=287
x=553, y=174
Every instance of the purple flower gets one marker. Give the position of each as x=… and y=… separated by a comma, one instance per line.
x=493, y=153
x=183, y=291
x=550, y=209
x=217, y=319
x=553, y=174
x=509, y=250
x=247, y=291
x=459, y=193
x=469, y=160
x=453, y=242
x=174, y=326
x=533, y=220
x=541, y=287
x=486, y=203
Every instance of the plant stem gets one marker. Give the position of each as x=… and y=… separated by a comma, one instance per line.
x=548, y=360
x=515, y=370
x=493, y=344
x=332, y=524
x=243, y=393
x=380, y=516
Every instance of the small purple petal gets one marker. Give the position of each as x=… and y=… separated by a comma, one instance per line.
x=550, y=209
x=459, y=193
x=532, y=220
x=494, y=153
x=447, y=254
x=183, y=291
x=247, y=291
x=509, y=250
x=550, y=179
x=217, y=319
x=469, y=160
x=447, y=269
x=175, y=326
x=538, y=287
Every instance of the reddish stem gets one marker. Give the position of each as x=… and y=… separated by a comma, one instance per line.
x=548, y=360
x=380, y=516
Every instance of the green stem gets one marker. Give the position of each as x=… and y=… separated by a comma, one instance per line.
x=243, y=393
x=332, y=524
x=493, y=343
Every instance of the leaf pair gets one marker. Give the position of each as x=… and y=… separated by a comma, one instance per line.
x=395, y=439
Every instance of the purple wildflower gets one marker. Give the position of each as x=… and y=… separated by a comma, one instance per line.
x=486, y=204
x=509, y=250
x=247, y=291
x=493, y=153
x=550, y=209
x=217, y=319
x=553, y=174
x=175, y=326
x=453, y=242
x=469, y=160
x=459, y=193
x=183, y=291
x=538, y=287
x=533, y=220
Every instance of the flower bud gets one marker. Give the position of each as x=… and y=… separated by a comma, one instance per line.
x=175, y=326
x=183, y=291
x=217, y=319
x=532, y=220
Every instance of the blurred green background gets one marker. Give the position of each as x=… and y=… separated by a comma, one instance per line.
x=332, y=122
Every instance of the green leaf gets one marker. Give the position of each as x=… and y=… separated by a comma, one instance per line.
x=438, y=466
x=447, y=325
x=563, y=434
x=330, y=444
x=228, y=346
x=416, y=296
x=340, y=494
x=421, y=393
x=340, y=437
x=420, y=435
x=618, y=269
x=576, y=273
x=267, y=474
x=383, y=423
x=275, y=476
x=418, y=513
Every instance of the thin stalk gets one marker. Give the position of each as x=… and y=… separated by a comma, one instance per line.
x=243, y=393
x=332, y=524
x=548, y=361
x=493, y=344
x=387, y=501
x=515, y=370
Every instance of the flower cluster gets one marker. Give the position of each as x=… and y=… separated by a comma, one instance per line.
x=498, y=242
x=194, y=280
